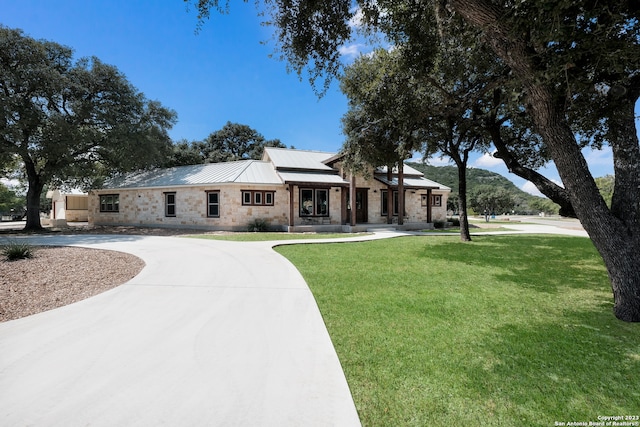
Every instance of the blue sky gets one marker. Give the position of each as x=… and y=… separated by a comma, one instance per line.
x=221, y=73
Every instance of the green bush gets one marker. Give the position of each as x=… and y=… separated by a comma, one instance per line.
x=258, y=224
x=14, y=250
x=439, y=224
x=455, y=222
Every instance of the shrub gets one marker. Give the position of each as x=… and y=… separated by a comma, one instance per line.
x=14, y=250
x=455, y=222
x=258, y=224
x=439, y=224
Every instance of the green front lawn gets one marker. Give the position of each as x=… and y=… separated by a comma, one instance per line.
x=502, y=331
x=270, y=236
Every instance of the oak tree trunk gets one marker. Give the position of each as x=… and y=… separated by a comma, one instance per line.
x=36, y=184
x=617, y=238
x=465, y=235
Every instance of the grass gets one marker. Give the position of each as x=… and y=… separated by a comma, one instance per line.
x=261, y=237
x=503, y=331
x=471, y=230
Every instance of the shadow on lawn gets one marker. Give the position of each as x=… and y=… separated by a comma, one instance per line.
x=571, y=368
x=543, y=263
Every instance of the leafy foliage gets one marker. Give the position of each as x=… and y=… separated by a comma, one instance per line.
x=72, y=123
x=258, y=225
x=233, y=142
x=9, y=200
x=606, y=186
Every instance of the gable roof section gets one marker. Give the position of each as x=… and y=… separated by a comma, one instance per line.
x=242, y=171
x=287, y=159
x=303, y=167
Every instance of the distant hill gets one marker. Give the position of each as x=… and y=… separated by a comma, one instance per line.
x=448, y=175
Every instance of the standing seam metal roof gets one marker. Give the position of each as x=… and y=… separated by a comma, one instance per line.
x=242, y=171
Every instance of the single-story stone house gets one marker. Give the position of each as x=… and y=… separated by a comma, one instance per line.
x=293, y=190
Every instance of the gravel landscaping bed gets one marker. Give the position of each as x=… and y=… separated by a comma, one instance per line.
x=57, y=276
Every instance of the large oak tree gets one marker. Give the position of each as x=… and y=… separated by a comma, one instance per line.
x=577, y=63
x=72, y=123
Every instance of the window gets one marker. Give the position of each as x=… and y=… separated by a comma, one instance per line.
x=385, y=198
x=110, y=203
x=314, y=202
x=436, y=200
x=257, y=198
x=213, y=204
x=169, y=204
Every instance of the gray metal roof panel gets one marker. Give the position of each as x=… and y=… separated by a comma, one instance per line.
x=298, y=159
x=211, y=173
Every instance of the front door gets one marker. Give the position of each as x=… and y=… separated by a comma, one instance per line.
x=362, y=213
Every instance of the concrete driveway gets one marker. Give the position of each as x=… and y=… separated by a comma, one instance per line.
x=210, y=333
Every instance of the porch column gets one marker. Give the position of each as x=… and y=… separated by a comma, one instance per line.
x=352, y=199
x=401, y=192
x=344, y=217
x=291, y=199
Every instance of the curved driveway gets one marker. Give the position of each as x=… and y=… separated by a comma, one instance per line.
x=210, y=333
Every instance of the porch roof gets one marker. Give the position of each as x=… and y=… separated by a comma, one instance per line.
x=412, y=182
x=312, y=178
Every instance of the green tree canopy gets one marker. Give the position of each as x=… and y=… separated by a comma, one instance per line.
x=235, y=142
x=10, y=201
x=72, y=123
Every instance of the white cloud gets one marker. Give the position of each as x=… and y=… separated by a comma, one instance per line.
x=439, y=161
x=487, y=161
x=529, y=187
x=352, y=50
x=356, y=20
x=600, y=161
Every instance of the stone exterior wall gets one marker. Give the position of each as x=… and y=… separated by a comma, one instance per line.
x=146, y=207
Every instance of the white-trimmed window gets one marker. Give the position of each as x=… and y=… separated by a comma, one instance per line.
x=110, y=203
x=213, y=204
x=170, y=204
x=436, y=200
x=257, y=198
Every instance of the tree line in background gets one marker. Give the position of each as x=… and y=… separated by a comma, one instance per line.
x=233, y=142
